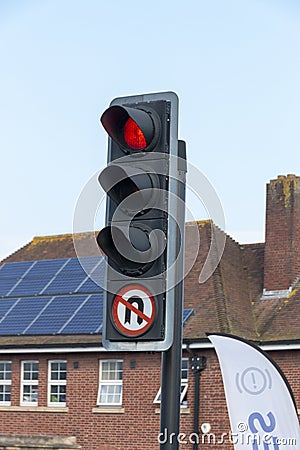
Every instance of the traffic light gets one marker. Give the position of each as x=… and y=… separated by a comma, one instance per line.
x=142, y=138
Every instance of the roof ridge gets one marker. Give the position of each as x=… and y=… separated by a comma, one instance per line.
x=202, y=222
x=220, y=300
x=52, y=237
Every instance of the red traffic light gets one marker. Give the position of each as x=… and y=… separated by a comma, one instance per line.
x=134, y=136
x=133, y=129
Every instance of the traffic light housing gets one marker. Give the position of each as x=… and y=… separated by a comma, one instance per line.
x=141, y=218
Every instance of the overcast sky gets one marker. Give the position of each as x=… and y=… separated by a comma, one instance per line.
x=235, y=65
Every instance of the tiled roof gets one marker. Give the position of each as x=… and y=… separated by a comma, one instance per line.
x=57, y=246
x=221, y=304
x=278, y=319
x=229, y=301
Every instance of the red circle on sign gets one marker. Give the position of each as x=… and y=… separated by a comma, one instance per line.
x=139, y=320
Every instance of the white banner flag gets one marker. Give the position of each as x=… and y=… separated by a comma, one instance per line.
x=260, y=402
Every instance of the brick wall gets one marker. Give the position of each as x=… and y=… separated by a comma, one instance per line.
x=282, y=248
x=137, y=427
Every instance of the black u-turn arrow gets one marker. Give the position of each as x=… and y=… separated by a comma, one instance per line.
x=140, y=305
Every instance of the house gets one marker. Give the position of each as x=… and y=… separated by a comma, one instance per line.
x=58, y=385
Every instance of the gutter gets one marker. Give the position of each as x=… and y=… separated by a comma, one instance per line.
x=279, y=347
x=15, y=350
x=267, y=346
x=187, y=345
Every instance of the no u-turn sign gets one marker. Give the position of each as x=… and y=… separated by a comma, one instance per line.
x=133, y=310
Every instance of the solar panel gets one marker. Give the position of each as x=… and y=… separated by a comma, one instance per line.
x=15, y=269
x=50, y=277
x=5, y=305
x=11, y=275
x=28, y=286
x=88, y=319
x=186, y=314
x=6, y=285
x=21, y=314
x=53, y=297
x=47, y=267
x=89, y=285
x=56, y=314
x=86, y=264
x=64, y=284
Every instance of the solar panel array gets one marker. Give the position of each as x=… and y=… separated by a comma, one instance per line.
x=53, y=297
x=50, y=277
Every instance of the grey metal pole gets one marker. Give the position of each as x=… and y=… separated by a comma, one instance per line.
x=198, y=364
x=196, y=408
x=171, y=359
x=171, y=382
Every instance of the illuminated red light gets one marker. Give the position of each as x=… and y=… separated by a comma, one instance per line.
x=133, y=135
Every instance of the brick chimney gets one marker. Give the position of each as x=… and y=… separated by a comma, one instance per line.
x=282, y=246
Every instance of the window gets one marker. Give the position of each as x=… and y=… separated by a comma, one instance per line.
x=57, y=380
x=110, y=383
x=29, y=383
x=184, y=384
x=5, y=383
x=184, y=381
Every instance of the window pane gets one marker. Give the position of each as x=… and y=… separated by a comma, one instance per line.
x=111, y=370
x=62, y=390
x=54, y=376
x=26, y=376
x=58, y=394
x=5, y=371
x=2, y=371
x=183, y=395
x=27, y=367
x=4, y=393
x=103, y=394
x=117, y=394
x=106, y=371
x=110, y=394
x=54, y=389
x=58, y=370
x=30, y=393
x=184, y=368
x=62, y=371
x=62, y=398
x=30, y=371
x=35, y=371
x=54, y=366
x=119, y=369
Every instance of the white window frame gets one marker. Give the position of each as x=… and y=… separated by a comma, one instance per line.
x=108, y=383
x=6, y=382
x=183, y=386
x=53, y=382
x=31, y=382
